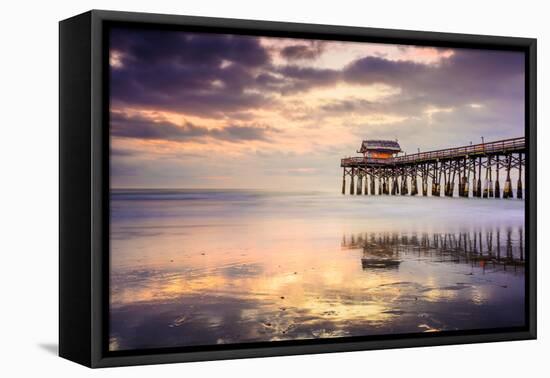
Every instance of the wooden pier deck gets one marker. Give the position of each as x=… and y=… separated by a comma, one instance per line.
x=462, y=165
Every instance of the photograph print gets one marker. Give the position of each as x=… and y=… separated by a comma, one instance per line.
x=267, y=189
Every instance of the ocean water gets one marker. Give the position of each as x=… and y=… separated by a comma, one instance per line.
x=203, y=267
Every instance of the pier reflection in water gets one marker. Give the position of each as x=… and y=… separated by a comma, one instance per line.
x=488, y=249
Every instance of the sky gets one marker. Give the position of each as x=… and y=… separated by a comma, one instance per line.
x=198, y=110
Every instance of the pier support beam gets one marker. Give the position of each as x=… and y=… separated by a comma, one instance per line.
x=450, y=182
x=520, y=186
x=414, y=185
x=463, y=191
x=474, y=180
x=424, y=186
x=372, y=186
x=397, y=187
x=436, y=189
x=351, y=183
x=359, y=185
x=508, y=183
x=464, y=187
x=478, y=185
x=497, y=184
x=452, y=186
x=404, y=185
x=488, y=186
x=344, y=182
x=447, y=182
x=490, y=167
x=486, y=182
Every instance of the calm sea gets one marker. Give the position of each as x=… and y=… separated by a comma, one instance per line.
x=203, y=267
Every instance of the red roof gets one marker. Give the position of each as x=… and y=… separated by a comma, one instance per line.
x=380, y=145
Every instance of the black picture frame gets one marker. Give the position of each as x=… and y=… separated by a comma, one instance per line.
x=84, y=187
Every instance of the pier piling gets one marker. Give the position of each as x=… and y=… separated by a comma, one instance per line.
x=519, y=186
x=452, y=187
x=394, y=187
x=489, y=167
x=478, y=185
x=414, y=185
x=497, y=184
x=508, y=183
x=344, y=182
x=486, y=184
x=351, y=184
x=404, y=186
x=424, y=187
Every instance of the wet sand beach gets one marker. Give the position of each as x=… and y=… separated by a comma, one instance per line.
x=192, y=267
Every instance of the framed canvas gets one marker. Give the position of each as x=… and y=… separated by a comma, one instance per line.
x=234, y=188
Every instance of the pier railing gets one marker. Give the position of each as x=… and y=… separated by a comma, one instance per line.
x=501, y=146
x=360, y=159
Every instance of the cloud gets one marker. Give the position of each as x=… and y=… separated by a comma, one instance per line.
x=304, y=78
x=151, y=47
x=465, y=75
x=348, y=106
x=185, y=72
x=302, y=51
x=372, y=70
x=492, y=80
x=224, y=76
x=122, y=152
x=140, y=127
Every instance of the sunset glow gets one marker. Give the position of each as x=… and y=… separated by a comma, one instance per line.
x=201, y=110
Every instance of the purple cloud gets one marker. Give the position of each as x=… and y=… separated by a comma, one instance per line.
x=138, y=127
x=302, y=52
x=226, y=76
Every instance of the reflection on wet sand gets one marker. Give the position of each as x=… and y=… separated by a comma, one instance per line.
x=372, y=283
x=484, y=249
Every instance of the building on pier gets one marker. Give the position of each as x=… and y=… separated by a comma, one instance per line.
x=379, y=149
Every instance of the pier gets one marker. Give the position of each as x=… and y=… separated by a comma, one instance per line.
x=469, y=171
